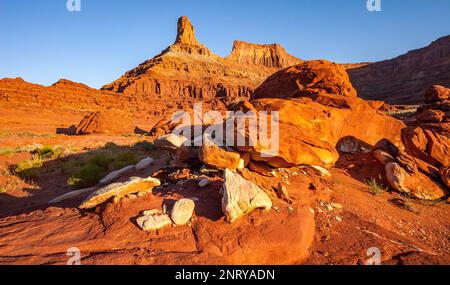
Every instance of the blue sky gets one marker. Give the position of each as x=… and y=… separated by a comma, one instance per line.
x=42, y=42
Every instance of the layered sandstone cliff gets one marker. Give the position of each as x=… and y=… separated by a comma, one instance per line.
x=404, y=79
x=188, y=72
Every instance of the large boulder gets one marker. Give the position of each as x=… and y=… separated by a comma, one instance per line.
x=241, y=197
x=105, y=122
x=415, y=184
x=307, y=79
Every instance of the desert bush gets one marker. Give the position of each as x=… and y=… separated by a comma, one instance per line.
x=374, y=187
x=87, y=176
x=28, y=168
x=3, y=189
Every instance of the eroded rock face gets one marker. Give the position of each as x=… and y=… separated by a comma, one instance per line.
x=404, y=79
x=201, y=75
x=109, y=121
x=182, y=211
x=185, y=32
x=415, y=184
x=268, y=55
x=132, y=186
x=241, y=197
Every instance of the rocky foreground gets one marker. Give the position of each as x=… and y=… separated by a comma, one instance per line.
x=317, y=201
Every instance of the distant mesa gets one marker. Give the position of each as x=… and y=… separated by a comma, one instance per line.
x=403, y=80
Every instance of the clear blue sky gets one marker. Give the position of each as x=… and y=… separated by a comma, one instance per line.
x=41, y=41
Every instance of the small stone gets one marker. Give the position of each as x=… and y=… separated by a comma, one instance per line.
x=203, y=183
x=329, y=207
x=153, y=222
x=339, y=219
x=182, y=211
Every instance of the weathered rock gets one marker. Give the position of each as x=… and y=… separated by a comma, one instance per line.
x=269, y=55
x=438, y=146
x=153, y=222
x=437, y=93
x=416, y=184
x=170, y=142
x=116, y=174
x=132, y=186
x=213, y=155
x=241, y=197
x=144, y=163
x=108, y=121
x=306, y=79
x=182, y=211
x=445, y=175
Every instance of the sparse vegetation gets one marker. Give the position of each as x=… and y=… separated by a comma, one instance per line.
x=2, y=190
x=87, y=171
x=374, y=187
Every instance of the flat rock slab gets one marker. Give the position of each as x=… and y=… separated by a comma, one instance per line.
x=132, y=186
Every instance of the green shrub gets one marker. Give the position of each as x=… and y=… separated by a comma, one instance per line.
x=46, y=152
x=2, y=189
x=103, y=159
x=87, y=176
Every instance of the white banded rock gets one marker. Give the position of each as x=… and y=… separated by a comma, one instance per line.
x=116, y=175
x=182, y=211
x=119, y=190
x=241, y=197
